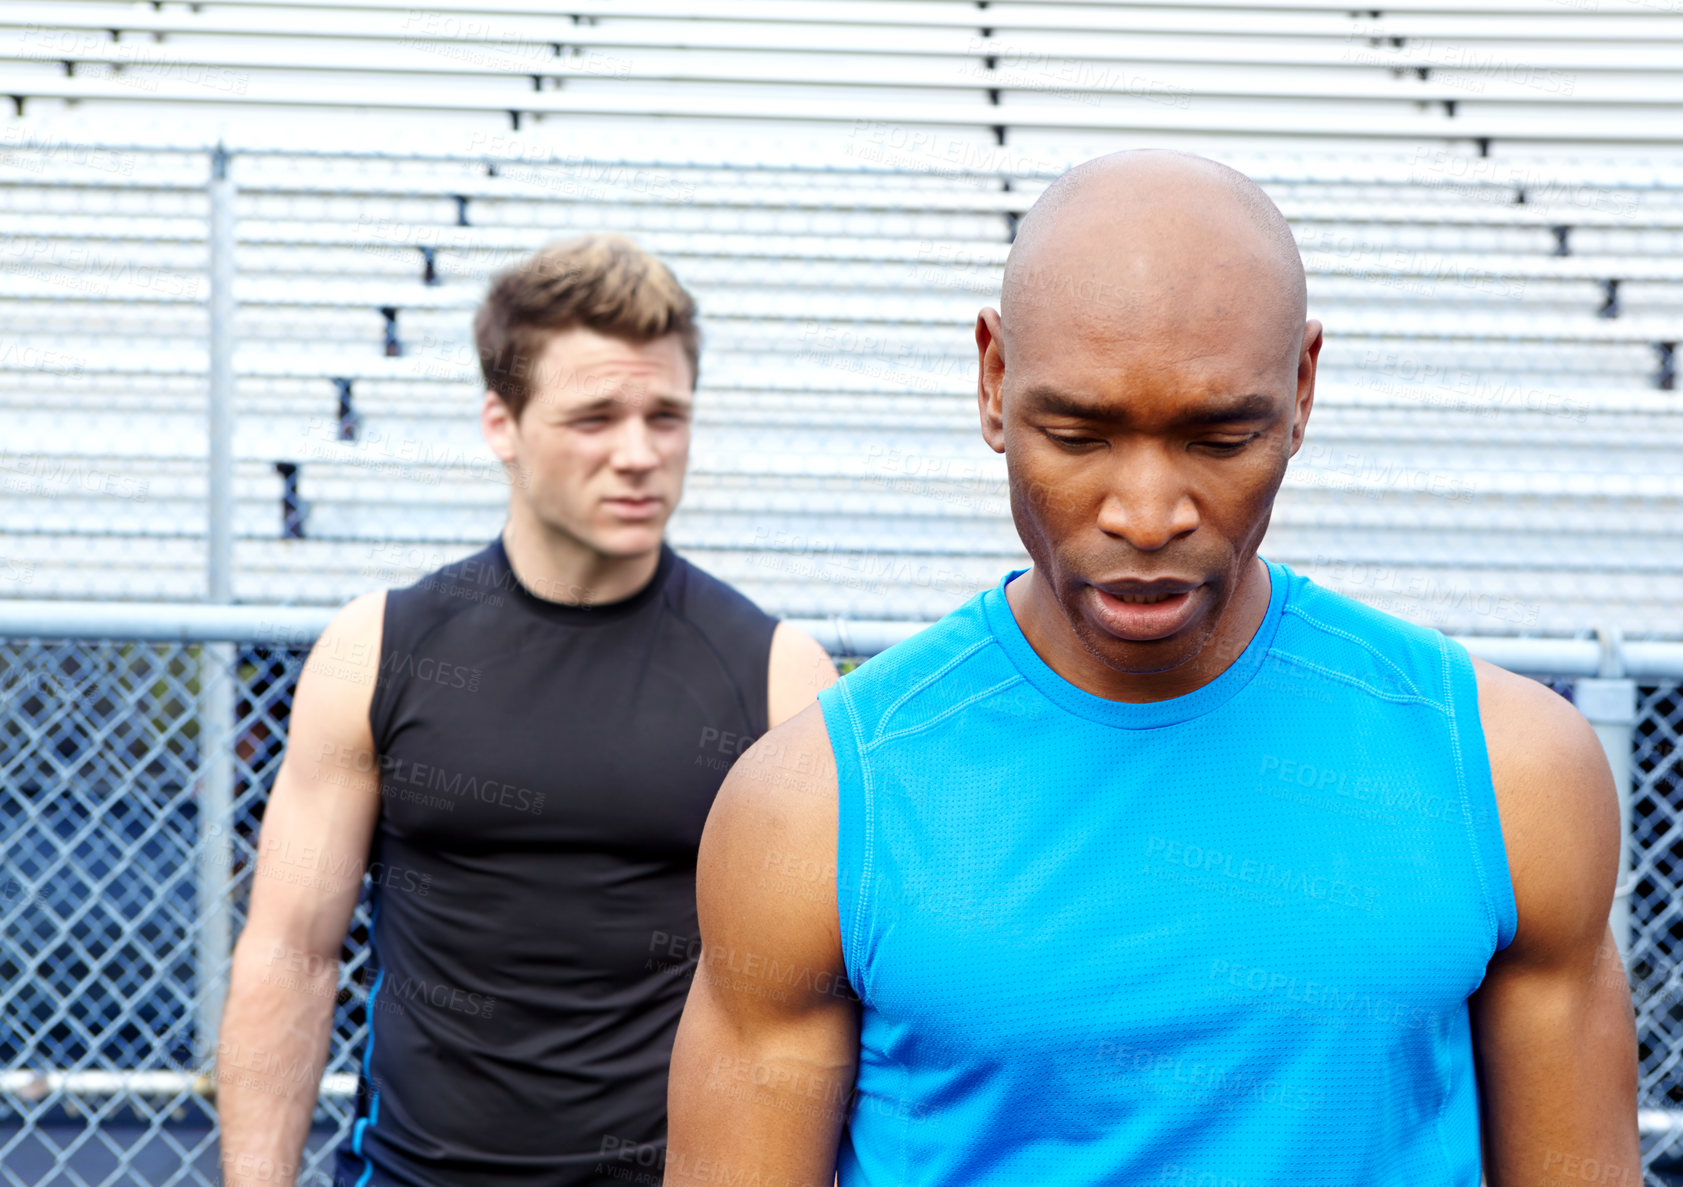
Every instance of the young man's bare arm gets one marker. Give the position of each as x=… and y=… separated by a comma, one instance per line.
x=764, y=1063
x=1552, y=1022
x=798, y=668
x=312, y=852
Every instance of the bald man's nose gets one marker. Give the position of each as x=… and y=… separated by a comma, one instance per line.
x=1147, y=504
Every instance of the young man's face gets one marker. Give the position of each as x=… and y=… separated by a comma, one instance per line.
x=600, y=448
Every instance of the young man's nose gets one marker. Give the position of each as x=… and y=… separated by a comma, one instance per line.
x=633, y=446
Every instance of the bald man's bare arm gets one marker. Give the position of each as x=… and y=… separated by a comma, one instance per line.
x=763, y=1067
x=1552, y=1022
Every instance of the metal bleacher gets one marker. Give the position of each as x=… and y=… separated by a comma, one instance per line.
x=1489, y=197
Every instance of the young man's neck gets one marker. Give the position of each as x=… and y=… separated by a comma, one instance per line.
x=559, y=567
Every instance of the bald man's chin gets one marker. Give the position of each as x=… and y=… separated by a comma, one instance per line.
x=1133, y=620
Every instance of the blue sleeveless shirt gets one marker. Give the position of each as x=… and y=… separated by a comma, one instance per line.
x=1221, y=940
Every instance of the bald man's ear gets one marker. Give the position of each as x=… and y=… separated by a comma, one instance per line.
x=1307, y=362
x=990, y=379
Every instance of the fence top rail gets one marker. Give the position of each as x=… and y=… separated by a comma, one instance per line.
x=299, y=626
x=1474, y=125
x=36, y=1086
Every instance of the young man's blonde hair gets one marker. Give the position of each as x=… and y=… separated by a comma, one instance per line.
x=603, y=282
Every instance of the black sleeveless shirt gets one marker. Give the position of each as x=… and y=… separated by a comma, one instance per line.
x=546, y=770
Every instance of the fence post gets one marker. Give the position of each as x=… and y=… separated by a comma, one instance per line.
x=216, y=660
x=219, y=502
x=1608, y=701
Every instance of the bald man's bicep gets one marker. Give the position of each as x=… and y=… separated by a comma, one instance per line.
x=763, y=1066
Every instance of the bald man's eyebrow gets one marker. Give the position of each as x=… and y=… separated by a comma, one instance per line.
x=1050, y=402
x=1252, y=407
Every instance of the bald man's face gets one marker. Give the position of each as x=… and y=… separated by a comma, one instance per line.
x=1147, y=403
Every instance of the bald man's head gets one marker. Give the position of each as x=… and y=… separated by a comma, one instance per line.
x=1141, y=233
x=1148, y=375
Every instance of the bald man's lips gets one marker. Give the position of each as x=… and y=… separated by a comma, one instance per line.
x=1145, y=610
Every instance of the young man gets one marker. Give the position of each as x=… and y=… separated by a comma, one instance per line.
x=1157, y=863
x=522, y=747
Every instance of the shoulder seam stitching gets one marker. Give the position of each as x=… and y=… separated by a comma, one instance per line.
x=1485, y=895
x=884, y=739
x=1339, y=632
x=1346, y=678
x=865, y=840
x=925, y=683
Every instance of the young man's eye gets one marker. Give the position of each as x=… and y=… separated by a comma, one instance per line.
x=590, y=422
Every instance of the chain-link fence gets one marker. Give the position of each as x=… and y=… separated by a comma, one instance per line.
x=1655, y=960
x=133, y=777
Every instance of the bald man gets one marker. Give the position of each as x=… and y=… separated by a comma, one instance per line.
x=1156, y=863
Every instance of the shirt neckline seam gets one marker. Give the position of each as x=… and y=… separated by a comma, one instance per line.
x=1040, y=675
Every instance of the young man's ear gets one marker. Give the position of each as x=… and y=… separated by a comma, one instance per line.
x=498, y=426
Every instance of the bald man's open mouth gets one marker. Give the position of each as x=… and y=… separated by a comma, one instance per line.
x=1140, y=611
